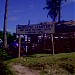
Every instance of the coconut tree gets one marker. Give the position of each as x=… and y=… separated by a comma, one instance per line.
x=54, y=7
x=5, y=24
x=59, y=2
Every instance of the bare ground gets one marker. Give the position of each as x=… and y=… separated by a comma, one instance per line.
x=22, y=70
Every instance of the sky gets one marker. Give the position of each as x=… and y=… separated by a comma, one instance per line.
x=21, y=11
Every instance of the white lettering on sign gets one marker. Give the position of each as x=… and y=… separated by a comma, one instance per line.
x=35, y=29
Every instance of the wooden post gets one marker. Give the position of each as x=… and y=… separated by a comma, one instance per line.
x=19, y=46
x=26, y=46
x=52, y=43
x=44, y=36
x=44, y=40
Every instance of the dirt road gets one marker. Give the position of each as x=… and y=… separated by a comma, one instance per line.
x=22, y=70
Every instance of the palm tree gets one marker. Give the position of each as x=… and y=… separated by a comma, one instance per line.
x=59, y=2
x=54, y=7
x=5, y=24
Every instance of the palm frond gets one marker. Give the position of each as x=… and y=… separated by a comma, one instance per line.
x=54, y=6
x=47, y=7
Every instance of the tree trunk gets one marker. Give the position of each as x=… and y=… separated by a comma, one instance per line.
x=59, y=9
x=5, y=25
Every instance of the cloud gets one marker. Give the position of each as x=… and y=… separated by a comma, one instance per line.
x=68, y=2
x=16, y=11
x=71, y=0
x=31, y=6
x=14, y=18
x=10, y=30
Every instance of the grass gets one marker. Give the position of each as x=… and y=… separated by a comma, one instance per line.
x=47, y=64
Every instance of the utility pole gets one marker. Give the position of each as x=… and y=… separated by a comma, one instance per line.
x=5, y=25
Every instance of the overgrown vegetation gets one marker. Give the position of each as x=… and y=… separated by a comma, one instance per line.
x=4, y=55
x=4, y=70
x=47, y=64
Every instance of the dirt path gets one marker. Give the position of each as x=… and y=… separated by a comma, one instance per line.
x=21, y=70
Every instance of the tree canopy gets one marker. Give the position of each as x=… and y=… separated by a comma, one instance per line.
x=10, y=37
x=54, y=7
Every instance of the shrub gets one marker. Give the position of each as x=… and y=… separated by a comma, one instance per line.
x=4, y=55
x=4, y=70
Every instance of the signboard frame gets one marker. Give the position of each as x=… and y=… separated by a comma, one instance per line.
x=35, y=29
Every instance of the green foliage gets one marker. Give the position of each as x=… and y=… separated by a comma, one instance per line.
x=4, y=70
x=4, y=55
x=58, y=64
x=54, y=7
x=1, y=34
x=69, y=65
x=37, y=66
x=9, y=36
